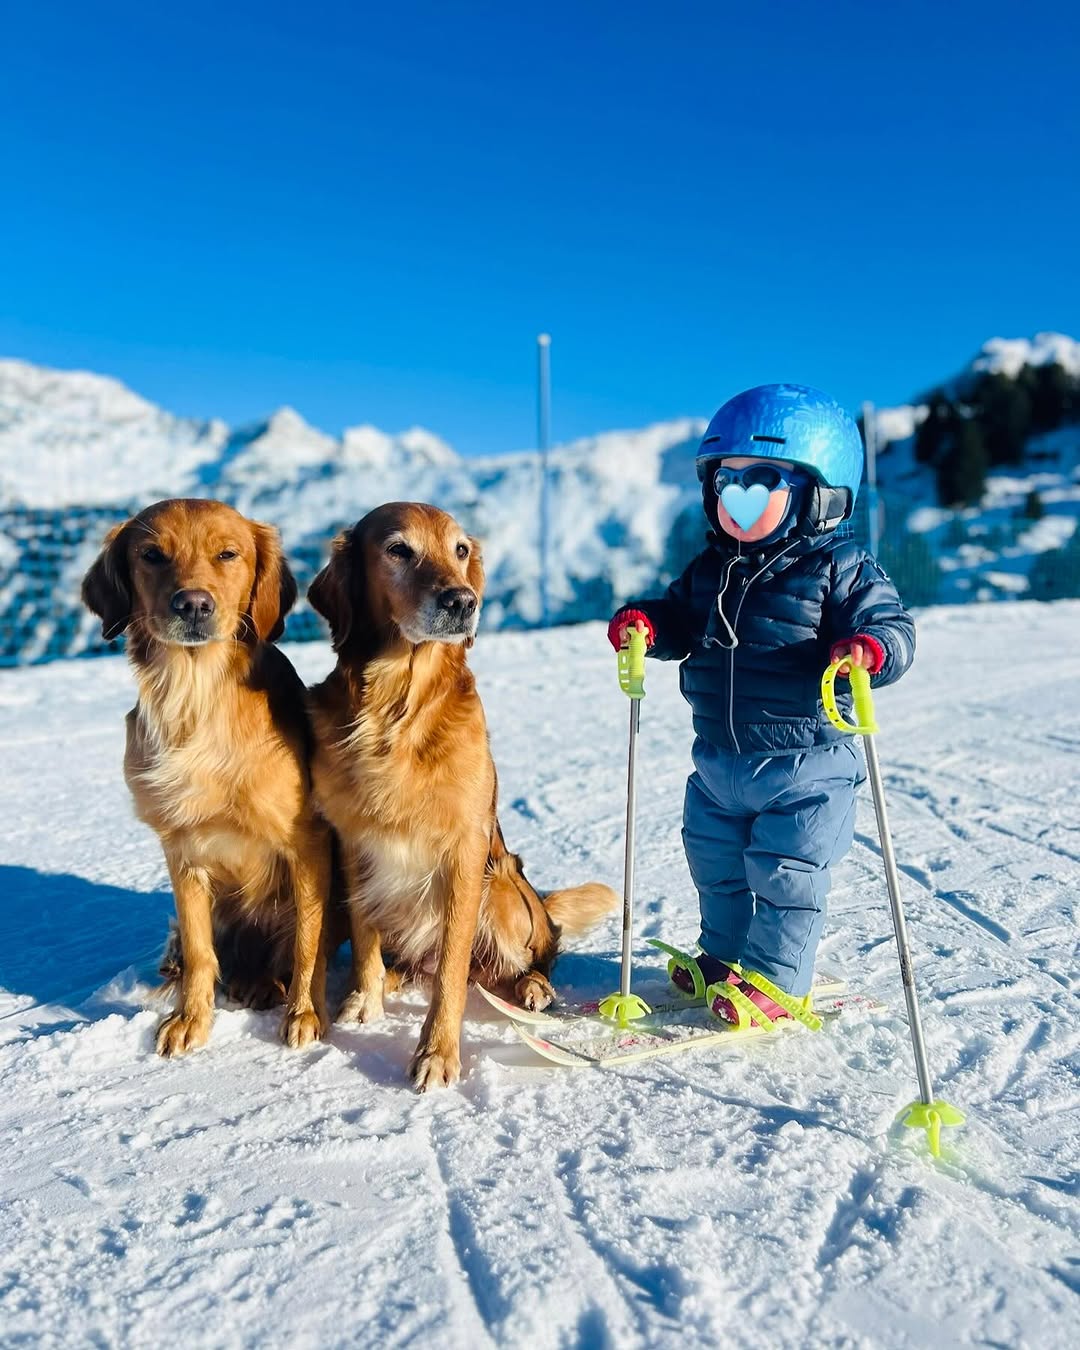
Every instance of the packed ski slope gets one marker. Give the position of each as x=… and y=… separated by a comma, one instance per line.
x=251, y=1196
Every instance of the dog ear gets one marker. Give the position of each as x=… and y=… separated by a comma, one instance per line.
x=330, y=594
x=273, y=593
x=106, y=588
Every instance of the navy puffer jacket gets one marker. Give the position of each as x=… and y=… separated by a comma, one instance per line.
x=754, y=630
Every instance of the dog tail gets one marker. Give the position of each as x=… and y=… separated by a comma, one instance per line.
x=253, y=962
x=577, y=909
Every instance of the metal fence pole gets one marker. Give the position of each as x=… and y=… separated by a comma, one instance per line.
x=870, y=437
x=543, y=430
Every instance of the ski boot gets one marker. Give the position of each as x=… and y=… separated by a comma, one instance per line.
x=694, y=974
x=746, y=999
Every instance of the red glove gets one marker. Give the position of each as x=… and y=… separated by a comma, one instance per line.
x=626, y=618
x=861, y=650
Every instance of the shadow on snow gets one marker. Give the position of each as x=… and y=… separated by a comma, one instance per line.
x=62, y=937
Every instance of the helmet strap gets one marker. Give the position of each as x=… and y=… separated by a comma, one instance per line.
x=826, y=508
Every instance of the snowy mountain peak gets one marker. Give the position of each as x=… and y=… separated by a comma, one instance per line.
x=424, y=445
x=1008, y=356
x=366, y=446
x=283, y=444
x=997, y=356
x=68, y=436
x=287, y=421
x=67, y=393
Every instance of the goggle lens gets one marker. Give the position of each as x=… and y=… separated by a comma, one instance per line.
x=768, y=476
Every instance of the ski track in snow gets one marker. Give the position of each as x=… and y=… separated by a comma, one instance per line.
x=252, y=1196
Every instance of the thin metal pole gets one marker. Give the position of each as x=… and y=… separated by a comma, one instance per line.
x=628, y=871
x=922, y=1068
x=870, y=437
x=543, y=431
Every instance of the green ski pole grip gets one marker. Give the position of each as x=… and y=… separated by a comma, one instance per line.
x=632, y=665
x=862, y=698
x=865, y=724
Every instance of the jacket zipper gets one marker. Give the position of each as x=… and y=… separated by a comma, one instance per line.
x=731, y=704
x=733, y=626
x=731, y=648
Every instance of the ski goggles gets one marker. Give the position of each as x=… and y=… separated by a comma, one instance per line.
x=762, y=474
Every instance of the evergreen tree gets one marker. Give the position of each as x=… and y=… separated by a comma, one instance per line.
x=1054, y=394
x=961, y=469
x=1002, y=409
x=935, y=429
x=1033, y=506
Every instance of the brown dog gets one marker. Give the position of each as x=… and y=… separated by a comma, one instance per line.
x=217, y=758
x=403, y=772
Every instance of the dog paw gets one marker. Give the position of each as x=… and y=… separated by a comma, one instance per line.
x=534, y=992
x=301, y=1028
x=181, y=1033
x=361, y=1007
x=429, y=1069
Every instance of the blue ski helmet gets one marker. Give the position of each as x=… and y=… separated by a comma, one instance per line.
x=799, y=424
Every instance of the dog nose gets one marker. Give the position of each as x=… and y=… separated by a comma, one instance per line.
x=459, y=600
x=192, y=605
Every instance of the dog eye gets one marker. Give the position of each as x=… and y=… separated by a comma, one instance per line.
x=227, y=555
x=463, y=551
x=400, y=550
x=154, y=556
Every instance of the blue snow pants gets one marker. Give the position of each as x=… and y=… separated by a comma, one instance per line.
x=761, y=836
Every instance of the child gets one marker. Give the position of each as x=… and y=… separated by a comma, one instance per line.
x=775, y=596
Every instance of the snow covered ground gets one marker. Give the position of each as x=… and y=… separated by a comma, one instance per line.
x=251, y=1196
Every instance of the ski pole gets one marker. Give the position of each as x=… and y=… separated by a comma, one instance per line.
x=927, y=1113
x=624, y=1007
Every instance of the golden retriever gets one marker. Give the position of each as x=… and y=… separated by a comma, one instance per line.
x=403, y=772
x=217, y=761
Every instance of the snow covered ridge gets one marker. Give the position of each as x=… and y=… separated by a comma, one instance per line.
x=76, y=438
x=78, y=451
x=68, y=437
x=997, y=356
x=1008, y=356
x=1021, y=539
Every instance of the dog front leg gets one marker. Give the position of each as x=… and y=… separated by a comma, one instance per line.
x=189, y=1028
x=437, y=1061
x=364, y=1001
x=305, y=1016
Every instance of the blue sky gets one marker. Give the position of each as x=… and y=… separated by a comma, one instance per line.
x=368, y=212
